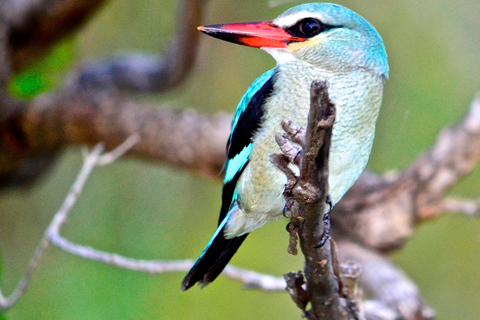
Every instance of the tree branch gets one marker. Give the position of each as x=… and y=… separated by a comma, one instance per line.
x=467, y=207
x=35, y=26
x=50, y=122
x=94, y=159
x=6, y=303
x=143, y=73
x=393, y=294
x=377, y=215
x=25, y=153
x=252, y=280
x=306, y=197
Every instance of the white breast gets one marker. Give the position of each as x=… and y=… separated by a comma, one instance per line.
x=357, y=97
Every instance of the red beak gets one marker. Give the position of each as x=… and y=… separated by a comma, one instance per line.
x=253, y=34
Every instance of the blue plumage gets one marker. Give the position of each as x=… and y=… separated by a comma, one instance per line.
x=310, y=42
x=246, y=121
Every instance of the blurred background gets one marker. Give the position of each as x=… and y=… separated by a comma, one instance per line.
x=153, y=211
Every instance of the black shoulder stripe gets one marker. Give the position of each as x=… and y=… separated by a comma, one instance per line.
x=249, y=121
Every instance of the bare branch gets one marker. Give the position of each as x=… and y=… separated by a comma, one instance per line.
x=59, y=218
x=306, y=197
x=138, y=72
x=29, y=28
x=322, y=284
x=35, y=26
x=44, y=126
x=464, y=206
x=8, y=302
x=252, y=280
x=392, y=292
x=455, y=153
x=255, y=280
x=119, y=151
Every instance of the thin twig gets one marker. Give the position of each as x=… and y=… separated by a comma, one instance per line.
x=88, y=165
x=58, y=219
x=255, y=280
x=112, y=156
x=251, y=279
x=90, y=162
x=465, y=206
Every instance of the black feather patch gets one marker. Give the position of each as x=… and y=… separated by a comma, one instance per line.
x=249, y=121
x=213, y=261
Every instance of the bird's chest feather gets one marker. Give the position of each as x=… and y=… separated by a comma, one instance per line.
x=357, y=97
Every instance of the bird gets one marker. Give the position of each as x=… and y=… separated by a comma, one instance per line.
x=310, y=42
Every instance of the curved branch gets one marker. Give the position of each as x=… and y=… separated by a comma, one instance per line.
x=153, y=73
x=387, y=209
x=34, y=131
x=32, y=27
x=35, y=26
x=52, y=236
x=182, y=138
x=390, y=289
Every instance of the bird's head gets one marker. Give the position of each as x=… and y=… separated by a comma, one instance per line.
x=325, y=35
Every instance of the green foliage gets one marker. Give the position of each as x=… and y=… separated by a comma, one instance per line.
x=45, y=73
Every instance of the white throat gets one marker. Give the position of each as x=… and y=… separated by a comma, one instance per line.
x=280, y=55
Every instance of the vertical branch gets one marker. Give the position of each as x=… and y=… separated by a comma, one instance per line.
x=322, y=284
x=8, y=302
x=306, y=197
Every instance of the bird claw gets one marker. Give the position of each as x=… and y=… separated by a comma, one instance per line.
x=329, y=201
x=293, y=132
x=326, y=230
x=286, y=208
x=326, y=223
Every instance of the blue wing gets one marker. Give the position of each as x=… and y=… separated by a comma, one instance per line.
x=246, y=121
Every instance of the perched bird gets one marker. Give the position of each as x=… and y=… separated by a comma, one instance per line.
x=315, y=41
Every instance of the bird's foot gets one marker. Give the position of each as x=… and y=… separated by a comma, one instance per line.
x=326, y=230
x=326, y=223
x=287, y=208
x=329, y=201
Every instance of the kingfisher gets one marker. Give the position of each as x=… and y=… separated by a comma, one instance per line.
x=310, y=42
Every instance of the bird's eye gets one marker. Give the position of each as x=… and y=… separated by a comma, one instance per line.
x=308, y=28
